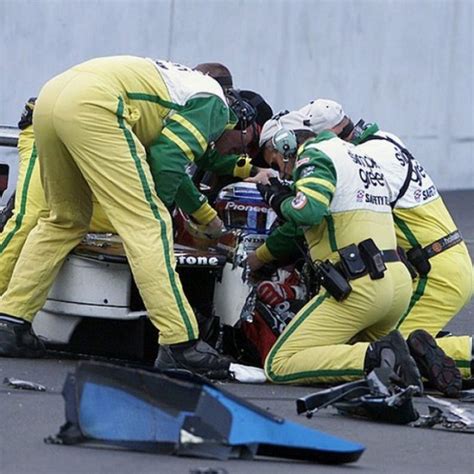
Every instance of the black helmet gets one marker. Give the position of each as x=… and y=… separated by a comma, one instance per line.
x=263, y=109
x=243, y=109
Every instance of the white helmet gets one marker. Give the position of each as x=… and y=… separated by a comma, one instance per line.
x=322, y=114
x=288, y=120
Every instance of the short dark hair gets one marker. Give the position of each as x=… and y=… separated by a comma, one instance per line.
x=217, y=71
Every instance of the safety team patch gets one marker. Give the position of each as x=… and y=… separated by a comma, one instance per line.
x=307, y=171
x=302, y=161
x=299, y=201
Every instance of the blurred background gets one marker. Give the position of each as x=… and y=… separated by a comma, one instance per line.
x=406, y=64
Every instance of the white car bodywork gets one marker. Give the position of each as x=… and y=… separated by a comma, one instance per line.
x=8, y=163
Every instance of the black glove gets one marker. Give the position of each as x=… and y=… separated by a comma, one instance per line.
x=27, y=116
x=275, y=193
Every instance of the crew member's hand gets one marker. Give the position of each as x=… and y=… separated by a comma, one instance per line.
x=262, y=177
x=215, y=228
x=275, y=193
x=254, y=262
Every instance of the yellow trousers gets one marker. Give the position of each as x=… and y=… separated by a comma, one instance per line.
x=30, y=205
x=438, y=297
x=86, y=145
x=327, y=340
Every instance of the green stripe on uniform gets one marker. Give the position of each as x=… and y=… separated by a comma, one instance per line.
x=154, y=209
x=331, y=232
x=403, y=226
x=155, y=99
x=423, y=281
x=309, y=373
x=24, y=199
x=417, y=294
x=196, y=146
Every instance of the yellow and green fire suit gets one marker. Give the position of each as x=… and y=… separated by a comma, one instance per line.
x=421, y=218
x=341, y=199
x=30, y=205
x=93, y=125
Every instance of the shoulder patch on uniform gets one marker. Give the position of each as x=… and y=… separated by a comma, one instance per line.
x=306, y=171
x=299, y=201
x=302, y=161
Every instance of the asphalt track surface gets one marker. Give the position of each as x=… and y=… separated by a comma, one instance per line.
x=27, y=417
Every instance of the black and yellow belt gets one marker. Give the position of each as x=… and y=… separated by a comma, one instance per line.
x=390, y=256
x=445, y=243
x=419, y=256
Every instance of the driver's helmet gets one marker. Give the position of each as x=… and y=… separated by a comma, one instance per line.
x=240, y=206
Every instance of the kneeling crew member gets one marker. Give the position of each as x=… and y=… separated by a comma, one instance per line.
x=349, y=230
x=427, y=233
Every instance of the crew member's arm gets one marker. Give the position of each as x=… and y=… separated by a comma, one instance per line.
x=282, y=243
x=184, y=139
x=193, y=202
x=314, y=183
x=239, y=166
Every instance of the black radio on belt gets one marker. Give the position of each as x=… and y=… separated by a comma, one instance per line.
x=355, y=262
x=373, y=258
x=333, y=281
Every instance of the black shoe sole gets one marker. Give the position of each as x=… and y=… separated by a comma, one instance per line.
x=438, y=368
x=408, y=369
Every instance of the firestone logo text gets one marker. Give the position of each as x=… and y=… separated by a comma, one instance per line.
x=201, y=260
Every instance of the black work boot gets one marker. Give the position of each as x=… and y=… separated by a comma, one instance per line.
x=438, y=368
x=392, y=351
x=17, y=339
x=195, y=356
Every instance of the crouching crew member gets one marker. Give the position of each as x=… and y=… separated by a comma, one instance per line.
x=92, y=125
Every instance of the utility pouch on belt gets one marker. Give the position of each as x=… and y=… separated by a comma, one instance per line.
x=351, y=263
x=333, y=281
x=418, y=257
x=373, y=258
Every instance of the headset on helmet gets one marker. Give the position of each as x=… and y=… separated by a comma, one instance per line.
x=245, y=112
x=285, y=142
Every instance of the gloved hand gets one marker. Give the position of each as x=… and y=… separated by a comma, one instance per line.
x=273, y=293
x=215, y=228
x=262, y=176
x=26, y=119
x=211, y=231
x=274, y=194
